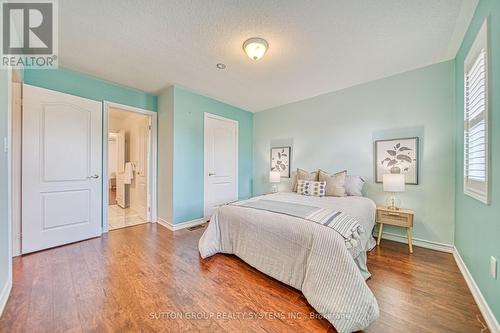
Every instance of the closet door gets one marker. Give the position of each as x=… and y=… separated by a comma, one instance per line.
x=221, y=162
x=61, y=167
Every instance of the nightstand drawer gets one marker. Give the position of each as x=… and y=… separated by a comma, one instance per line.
x=395, y=218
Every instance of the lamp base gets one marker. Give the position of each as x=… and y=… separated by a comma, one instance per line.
x=393, y=203
x=274, y=189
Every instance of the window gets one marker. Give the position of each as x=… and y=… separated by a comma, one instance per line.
x=476, y=118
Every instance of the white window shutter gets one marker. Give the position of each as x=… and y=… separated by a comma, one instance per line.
x=476, y=119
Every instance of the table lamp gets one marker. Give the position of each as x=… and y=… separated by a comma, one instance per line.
x=274, y=178
x=393, y=183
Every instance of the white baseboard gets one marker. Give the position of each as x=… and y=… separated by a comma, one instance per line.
x=179, y=226
x=448, y=248
x=488, y=315
x=4, y=295
x=163, y=222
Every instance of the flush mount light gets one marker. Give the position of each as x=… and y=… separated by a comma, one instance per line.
x=220, y=66
x=255, y=48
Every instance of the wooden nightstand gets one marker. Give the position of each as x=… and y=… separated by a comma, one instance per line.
x=401, y=218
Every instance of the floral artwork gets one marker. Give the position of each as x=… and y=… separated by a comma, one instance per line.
x=280, y=160
x=397, y=156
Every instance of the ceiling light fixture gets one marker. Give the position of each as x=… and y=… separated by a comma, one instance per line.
x=220, y=66
x=255, y=47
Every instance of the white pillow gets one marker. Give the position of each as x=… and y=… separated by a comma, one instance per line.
x=309, y=187
x=354, y=185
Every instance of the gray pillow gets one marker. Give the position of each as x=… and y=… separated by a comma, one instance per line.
x=354, y=185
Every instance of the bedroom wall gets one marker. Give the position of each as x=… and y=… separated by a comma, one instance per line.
x=180, y=144
x=188, y=178
x=478, y=225
x=336, y=131
x=83, y=85
x=165, y=154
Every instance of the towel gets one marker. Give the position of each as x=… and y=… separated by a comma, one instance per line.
x=128, y=175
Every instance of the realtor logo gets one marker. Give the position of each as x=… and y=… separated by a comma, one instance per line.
x=29, y=34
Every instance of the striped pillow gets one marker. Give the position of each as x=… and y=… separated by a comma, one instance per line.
x=309, y=187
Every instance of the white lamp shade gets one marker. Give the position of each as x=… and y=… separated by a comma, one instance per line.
x=394, y=182
x=274, y=176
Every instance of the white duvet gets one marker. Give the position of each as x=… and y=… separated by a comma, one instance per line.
x=303, y=254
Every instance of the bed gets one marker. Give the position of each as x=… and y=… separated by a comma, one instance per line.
x=305, y=255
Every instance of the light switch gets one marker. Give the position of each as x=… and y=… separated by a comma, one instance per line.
x=5, y=145
x=493, y=267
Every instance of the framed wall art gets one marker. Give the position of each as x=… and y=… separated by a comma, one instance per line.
x=397, y=156
x=280, y=160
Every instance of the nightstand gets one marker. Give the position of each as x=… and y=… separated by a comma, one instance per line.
x=401, y=218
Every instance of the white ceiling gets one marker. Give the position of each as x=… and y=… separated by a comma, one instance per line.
x=118, y=115
x=315, y=46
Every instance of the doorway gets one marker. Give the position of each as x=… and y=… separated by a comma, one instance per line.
x=130, y=174
x=221, y=162
x=64, y=167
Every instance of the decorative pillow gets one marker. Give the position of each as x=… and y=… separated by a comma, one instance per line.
x=354, y=185
x=293, y=180
x=303, y=175
x=309, y=187
x=334, y=183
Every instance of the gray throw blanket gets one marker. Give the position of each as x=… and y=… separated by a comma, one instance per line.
x=347, y=226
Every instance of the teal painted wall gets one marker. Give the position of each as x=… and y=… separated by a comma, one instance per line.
x=165, y=154
x=188, y=178
x=478, y=225
x=336, y=131
x=4, y=226
x=84, y=85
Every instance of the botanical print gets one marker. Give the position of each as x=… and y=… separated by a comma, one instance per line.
x=280, y=161
x=397, y=156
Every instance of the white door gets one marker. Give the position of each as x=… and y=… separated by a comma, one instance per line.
x=61, y=166
x=16, y=167
x=221, y=162
x=141, y=180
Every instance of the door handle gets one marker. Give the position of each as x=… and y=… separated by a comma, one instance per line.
x=211, y=174
x=93, y=177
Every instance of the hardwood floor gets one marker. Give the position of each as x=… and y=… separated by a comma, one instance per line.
x=146, y=279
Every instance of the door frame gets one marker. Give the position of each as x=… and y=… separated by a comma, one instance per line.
x=205, y=168
x=7, y=144
x=13, y=147
x=16, y=162
x=152, y=200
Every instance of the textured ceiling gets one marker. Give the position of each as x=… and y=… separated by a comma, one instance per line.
x=315, y=46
